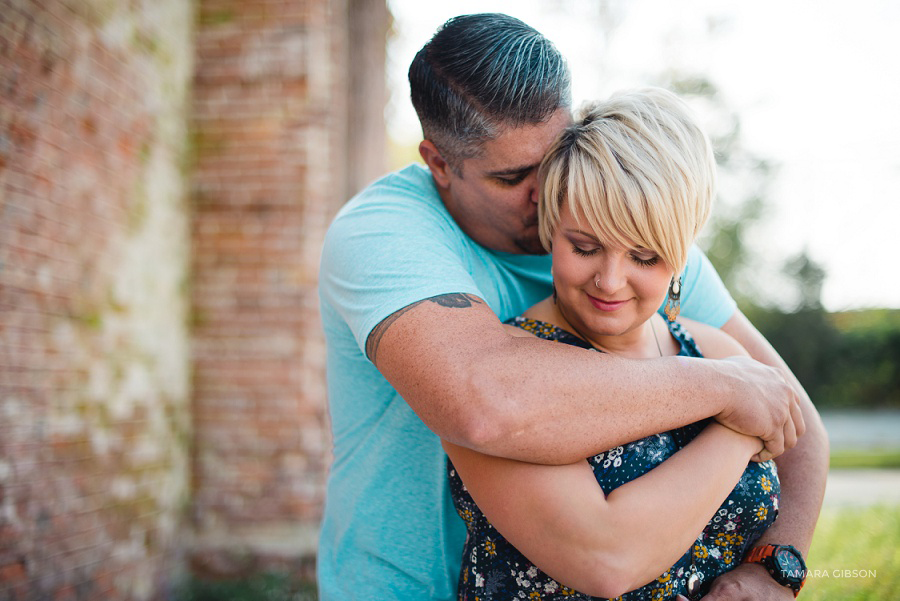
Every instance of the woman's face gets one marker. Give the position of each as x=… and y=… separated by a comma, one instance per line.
x=604, y=290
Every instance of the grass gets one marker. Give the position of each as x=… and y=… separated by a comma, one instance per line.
x=855, y=556
x=262, y=587
x=875, y=458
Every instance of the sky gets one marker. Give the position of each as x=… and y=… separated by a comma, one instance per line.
x=816, y=85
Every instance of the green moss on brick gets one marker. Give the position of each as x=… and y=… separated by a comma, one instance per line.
x=215, y=17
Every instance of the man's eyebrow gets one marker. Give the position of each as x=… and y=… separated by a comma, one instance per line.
x=512, y=171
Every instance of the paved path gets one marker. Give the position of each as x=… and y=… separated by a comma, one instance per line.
x=861, y=487
x=861, y=430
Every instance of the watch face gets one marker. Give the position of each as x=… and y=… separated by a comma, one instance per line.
x=790, y=566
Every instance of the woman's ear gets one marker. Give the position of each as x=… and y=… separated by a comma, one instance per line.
x=436, y=163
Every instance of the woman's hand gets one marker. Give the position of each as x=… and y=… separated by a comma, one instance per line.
x=755, y=444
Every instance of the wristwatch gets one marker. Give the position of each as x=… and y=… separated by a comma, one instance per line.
x=784, y=562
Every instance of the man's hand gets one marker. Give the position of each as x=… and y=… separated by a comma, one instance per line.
x=764, y=405
x=747, y=582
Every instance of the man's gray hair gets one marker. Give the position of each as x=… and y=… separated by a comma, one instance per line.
x=480, y=73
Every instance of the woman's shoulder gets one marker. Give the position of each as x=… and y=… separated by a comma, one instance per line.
x=536, y=321
x=514, y=330
x=529, y=326
x=713, y=342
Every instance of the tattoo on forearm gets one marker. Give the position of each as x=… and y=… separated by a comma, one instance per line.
x=456, y=300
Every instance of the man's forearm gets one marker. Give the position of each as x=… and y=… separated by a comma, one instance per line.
x=803, y=469
x=599, y=402
x=802, y=472
x=543, y=402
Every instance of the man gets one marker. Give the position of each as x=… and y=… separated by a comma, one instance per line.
x=418, y=272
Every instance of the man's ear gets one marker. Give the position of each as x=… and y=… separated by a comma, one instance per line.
x=436, y=163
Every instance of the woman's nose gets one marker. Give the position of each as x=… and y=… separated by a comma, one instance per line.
x=610, y=277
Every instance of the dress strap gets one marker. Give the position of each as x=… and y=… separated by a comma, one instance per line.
x=689, y=346
x=548, y=331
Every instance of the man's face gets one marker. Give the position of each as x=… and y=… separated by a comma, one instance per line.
x=494, y=199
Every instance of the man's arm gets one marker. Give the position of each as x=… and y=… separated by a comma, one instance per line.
x=802, y=471
x=476, y=386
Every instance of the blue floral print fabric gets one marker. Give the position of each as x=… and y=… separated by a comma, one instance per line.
x=493, y=570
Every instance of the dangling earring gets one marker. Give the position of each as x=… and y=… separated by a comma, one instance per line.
x=673, y=301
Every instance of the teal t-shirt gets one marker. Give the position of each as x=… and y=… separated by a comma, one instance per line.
x=389, y=529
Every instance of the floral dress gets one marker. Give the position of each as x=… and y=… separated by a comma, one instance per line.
x=493, y=570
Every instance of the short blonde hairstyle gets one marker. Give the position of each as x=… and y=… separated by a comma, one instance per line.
x=638, y=169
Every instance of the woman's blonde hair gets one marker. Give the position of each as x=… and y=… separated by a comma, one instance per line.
x=638, y=169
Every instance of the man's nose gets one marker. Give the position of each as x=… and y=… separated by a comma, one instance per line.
x=533, y=187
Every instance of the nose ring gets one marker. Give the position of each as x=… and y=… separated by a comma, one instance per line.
x=597, y=283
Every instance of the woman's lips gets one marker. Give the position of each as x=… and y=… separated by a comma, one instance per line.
x=606, y=305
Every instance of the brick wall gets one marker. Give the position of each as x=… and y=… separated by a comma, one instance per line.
x=167, y=172
x=94, y=238
x=277, y=124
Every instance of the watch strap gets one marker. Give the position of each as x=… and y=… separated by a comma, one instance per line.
x=757, y=554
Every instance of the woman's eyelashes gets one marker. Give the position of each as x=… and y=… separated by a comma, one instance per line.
x=584, y=252
x=645, y=260
x=642, y=258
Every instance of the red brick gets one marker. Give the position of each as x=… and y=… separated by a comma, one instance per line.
x=84, y=126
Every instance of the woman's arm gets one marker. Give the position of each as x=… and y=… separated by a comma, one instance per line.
x=559, y=518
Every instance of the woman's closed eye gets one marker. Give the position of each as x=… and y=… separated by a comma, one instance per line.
x=645, y=259
x=587, y=251
x=642, y=258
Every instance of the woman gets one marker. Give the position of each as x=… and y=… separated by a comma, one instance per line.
x=625, y=191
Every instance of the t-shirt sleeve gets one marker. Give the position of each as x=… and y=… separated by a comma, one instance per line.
x=704, y=297
x=381, y=257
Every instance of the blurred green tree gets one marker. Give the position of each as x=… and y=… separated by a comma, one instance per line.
x=843, y=360
x=745, y=180
x=808, y=276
